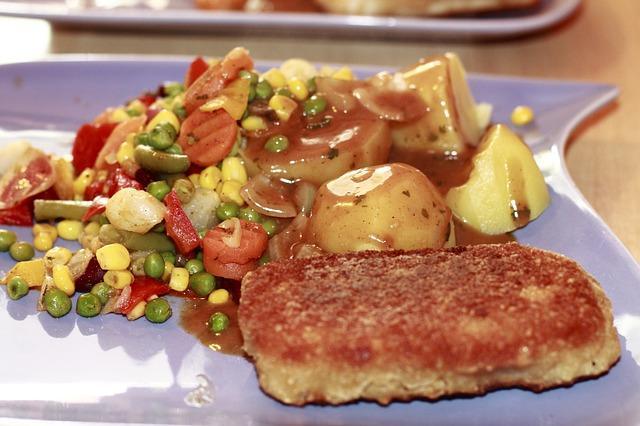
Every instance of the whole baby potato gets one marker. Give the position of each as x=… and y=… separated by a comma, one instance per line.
x=392, y=206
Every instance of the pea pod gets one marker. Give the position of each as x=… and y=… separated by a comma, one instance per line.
x=136, y=242
x=159, y=161
x=59, y=209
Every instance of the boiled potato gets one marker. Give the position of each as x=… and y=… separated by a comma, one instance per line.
x=505, y=189
x=453, y=119
x=392, y=206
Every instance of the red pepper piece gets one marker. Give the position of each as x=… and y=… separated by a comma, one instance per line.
x=89, y=140
x=143, y=288
x=147, y=99
x=20, y=214
x=179, y=227
x=196, y=69
x=119, y=180
x=91, y=276
x=98, y=206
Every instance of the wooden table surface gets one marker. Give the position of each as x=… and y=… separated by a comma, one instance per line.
x=599, y=43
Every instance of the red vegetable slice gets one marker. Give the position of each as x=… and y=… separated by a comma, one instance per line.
x=196, y=69
x=32, y=174
x=118, y=180
x=142, y=289
x=179, y=227
x=89, y=140
x=91, y=276
x=115, y=139
x=209, y=84
x=253, y=242
x=208, y=137
x=20, y=215
x=98, y=206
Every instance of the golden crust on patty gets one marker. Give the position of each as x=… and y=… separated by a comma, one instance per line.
x=427, y=323
x=421, y=7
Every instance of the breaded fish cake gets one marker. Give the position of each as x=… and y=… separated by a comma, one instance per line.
x=399, y=325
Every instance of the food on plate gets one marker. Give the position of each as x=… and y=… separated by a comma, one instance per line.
x=188, y=188
x=393, y=206
x=396, y=325
x=371, y=7
x=505, y=188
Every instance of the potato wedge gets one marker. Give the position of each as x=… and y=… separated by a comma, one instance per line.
x=392, y=206
x=505, y=189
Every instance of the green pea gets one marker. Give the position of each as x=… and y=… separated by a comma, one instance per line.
x=174, y=149
x=17, y=288
x=314, y=106
x=199, y=255
x=249, y=214
x=21, y=250
x=154, y=265
x=57, y=303
x=6, y=239
x=277, y=143
x=264, y=90
x=270, y=226
x=103, y=291
x=248, y=75
x=142, y=139
x=194, y=266
x=252, y=93
x=227, y=210
x=184, y=190
x=160, y=138
x=180, y=111
x=173, y=88
x=169, y=257
x=131, y=112
x=159, y=189
x=157, y=310
x=283, y=91
x=218, y=322
x=264, y=259
x=202, y=283
x=311, y=85
x=88, y=305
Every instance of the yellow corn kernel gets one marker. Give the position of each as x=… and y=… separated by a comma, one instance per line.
x=118, y=279
x=210, y=177
x=125, y=152
x=57, y=256
x=69, y=229
x=298, y=89
x=195, y=179
x=219, y=297
x=137, y=311
x=253, y=123
x=92, y=228
x=233, y=169
x=83, y=180
x=43, y=241
x=522, y=115
x=168, y=267
x=164, y=116
x=62, y=279
x=343, y=73
x=44, y=228
x=179, y=280
x=275, y=77
x=113, y=257
x=230, y=191
x=118, y=115
x=283, y=106
x=136, y=106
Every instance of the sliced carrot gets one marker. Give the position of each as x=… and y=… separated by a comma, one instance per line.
x=253, y=242
x=208, y=137
x=232, y=271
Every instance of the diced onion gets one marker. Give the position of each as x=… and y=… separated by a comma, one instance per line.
x=234, y=239
x=269, y=197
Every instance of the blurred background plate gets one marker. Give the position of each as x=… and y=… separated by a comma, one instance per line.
x=107, y=369
x=182, y=15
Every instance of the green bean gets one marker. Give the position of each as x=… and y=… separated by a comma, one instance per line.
x=6, y=239
x=21, y=250
x=57, y=303
x=136, y=242
x=44, y=210
x=17, y=288
x=160, y=162
x=88, y=305
x=157, y=310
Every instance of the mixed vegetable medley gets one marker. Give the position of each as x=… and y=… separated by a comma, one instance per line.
x=185, y=190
